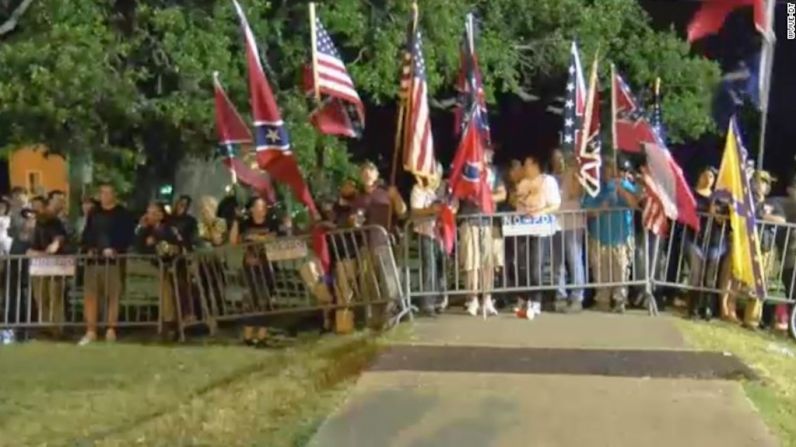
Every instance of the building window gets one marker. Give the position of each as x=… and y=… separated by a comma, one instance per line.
x=34, y=182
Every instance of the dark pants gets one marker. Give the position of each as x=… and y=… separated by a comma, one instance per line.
x=530, y=262
x=429, y=256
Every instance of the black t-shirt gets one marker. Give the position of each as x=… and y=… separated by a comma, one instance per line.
x=167, y=240
x=48, y=229
x=108, y=228
x=188, y=228
x=715, y=228
x=251, y=231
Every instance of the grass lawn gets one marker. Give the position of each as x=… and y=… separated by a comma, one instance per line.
x=775, y=395
x=125, y=394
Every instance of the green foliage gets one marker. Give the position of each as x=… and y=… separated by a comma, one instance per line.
x=111, y=75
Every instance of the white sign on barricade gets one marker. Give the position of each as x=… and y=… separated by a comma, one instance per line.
x=286, y=250
x=516, y=225
x=52, y=266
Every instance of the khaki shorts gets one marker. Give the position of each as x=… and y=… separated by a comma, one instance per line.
x=104, y=280
x=476, y=246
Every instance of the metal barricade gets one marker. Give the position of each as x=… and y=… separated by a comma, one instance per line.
x=285, y=275
x=50, y=291
x=700, y=263
x=564, y=253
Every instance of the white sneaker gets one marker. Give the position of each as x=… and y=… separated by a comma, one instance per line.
x=489, y=307
x=87, y=339
x=472, y=307
x=535, y=308
x=7, y=337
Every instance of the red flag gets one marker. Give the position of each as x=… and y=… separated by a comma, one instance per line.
x=631, y=127
x=446, y=224
x=321, y=247
x=232, y=131
x=271, y=139
x=711, y=16
x=469, y=175
x=230, y=126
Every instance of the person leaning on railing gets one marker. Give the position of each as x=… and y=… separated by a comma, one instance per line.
x=107, y=235
x=49, y=239
x=425, y=205
x=611, y=236
x=769, y=215
x=568, y=243
x=538, y=196
x=706, y=248
x=252, y=232
x=156, y=236
x=382, y=207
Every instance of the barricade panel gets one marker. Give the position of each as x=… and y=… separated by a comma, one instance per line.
x=508, y=253
x=50, y=291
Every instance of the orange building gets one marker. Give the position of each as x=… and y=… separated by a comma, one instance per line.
x=37, y=171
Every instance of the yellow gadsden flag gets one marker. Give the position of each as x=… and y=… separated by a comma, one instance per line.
x=732, y=185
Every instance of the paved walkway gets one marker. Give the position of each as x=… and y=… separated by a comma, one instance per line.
x=561, y=380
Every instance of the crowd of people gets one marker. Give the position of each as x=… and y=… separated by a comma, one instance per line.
x=600, y=235
x=590, y=234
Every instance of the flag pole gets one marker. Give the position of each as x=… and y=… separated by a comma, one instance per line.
x=589, y=103
x=613, y=111
x=766, y=68
x=314, y=43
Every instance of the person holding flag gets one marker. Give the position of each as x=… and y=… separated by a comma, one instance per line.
x=746, y=262
x=271, y=140
x=232, y=133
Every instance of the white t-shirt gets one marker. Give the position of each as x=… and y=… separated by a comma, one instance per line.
x=422, y=198
x=537, y=193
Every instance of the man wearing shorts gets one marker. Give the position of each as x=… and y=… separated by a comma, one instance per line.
x=108, y=233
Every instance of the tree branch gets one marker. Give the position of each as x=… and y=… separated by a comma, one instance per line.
x=12, y=21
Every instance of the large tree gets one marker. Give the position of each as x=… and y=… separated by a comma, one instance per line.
x=129, y=82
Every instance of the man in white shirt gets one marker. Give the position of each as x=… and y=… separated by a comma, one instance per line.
x=425, y=206
x=568, y=243
x=537, y=195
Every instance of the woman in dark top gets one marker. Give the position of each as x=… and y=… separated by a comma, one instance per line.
x=251, y=232
x=707, y=246
x=155, y=236
x=49, y=239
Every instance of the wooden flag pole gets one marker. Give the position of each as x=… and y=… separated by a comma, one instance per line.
x=314, y=43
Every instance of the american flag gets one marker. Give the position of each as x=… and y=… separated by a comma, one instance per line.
x=341, y=111
x=470, y=86
x=575, y=105
x=653, y=216
x=418, y=143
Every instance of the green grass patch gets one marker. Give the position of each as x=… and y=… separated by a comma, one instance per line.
x=121, y=395
x=774, y=395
